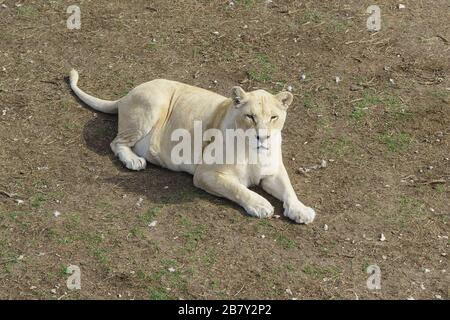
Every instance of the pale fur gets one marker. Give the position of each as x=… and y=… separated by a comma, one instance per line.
x=152, y=111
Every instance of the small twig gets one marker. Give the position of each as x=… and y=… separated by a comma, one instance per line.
x=433, y=181
x=442, y=38
x=6, y=261
x=9, y=195
x=239, y=290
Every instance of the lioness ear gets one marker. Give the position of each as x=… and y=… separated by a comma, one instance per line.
x=237, y=95
x=285, y=98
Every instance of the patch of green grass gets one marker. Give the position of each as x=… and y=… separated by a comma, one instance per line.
x=105, y=205
x=308, y=100
x=280, y=85
x=137, y=232
x=396, y=142
x=263, y=72
x=14, y=215
x=63, y=271
x=312, y=16
x=192, y=236
x=101, y=255
x=71, y=125
x=246, y=3
x=408, y=210
x=317, y=272
x=38, y=200
x=150, y=215
x=158, y=294
x=337, y=148
x=364, y=266
x=440, y=94
x=440, y=188
x=52, y=233
x=8, y=259
x=340, y=24
x=27, y=11
x=410, y=206
x=285, y=242
x=261, y=225
x=360, y=107
x=152, y=45
x=210, y=257
x=393, y=106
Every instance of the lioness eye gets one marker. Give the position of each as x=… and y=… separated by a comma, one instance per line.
x=273, y=118
x=250, y=116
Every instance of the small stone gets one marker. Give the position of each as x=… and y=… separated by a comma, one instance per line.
x=263, y=236
x=56, y=213
x=171, y=269
x=401, y=6
x=382, y=238
x=391, y=81
x=277, y=216
x=438, y=296
x=426, y=270
x=303, y=76
x=153, y=224
x=19, y=201
x=384, y=257
x=422, y=286
x=289, y=291
x=431, y=209
x=289, y=88
x=325, y=227
x=33, y=287
x=337, y=79
x=355, y=87
x=216, y=33
x=410, y=298
x=53, y=291
x=323, y=163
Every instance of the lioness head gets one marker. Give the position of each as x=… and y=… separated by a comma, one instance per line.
x=261, y=111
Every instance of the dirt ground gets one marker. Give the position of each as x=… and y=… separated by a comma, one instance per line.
x=383, y=130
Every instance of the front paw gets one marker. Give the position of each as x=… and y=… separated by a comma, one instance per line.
x=300, y=213
x=135, y=163
x=260, y=208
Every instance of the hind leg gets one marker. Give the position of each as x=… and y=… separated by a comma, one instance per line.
x=137, y=116
x=121, y=146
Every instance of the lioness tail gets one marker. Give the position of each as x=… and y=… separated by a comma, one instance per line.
x=95, y=103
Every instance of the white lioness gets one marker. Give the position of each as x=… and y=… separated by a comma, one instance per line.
x=149, y=114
